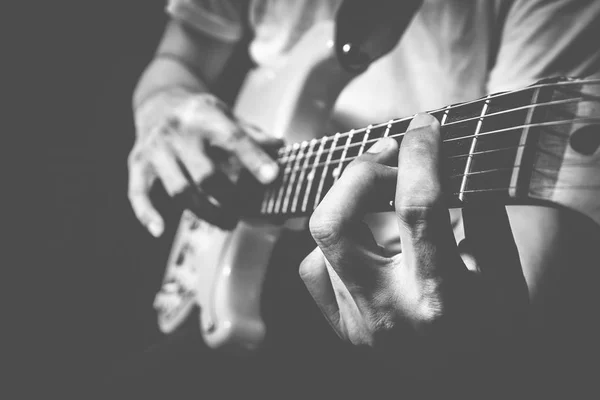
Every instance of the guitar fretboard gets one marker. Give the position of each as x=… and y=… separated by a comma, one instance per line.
x=486, y=148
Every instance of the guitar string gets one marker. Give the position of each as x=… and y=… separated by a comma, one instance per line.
x=480, y=100
x=288, y=158
x=534, y=187
x=499, y=131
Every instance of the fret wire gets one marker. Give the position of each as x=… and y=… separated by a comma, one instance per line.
x=532, y=106
x=290, y=185
x=302, y=174
x=445, y=116
x=463, y=184
x=364, y=141
x=388, y=128
x=311, y=175
x=324, y=173
x=338, y=171
x=284, y=182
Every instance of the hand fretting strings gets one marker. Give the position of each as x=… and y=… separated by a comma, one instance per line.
x=293, y=159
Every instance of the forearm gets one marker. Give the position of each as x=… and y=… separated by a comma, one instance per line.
x=165, y=74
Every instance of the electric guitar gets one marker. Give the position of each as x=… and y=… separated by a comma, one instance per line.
x=535, y=145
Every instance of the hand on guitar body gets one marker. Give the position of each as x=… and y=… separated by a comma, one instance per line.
x=433, y=298
x=194, y=134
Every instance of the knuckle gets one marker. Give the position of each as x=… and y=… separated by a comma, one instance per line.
x=306, y=271
x=324, y=228
x=417, y=206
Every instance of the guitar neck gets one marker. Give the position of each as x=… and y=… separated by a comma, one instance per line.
x=490, y=148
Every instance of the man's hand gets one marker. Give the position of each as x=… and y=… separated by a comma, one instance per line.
x=432, y=299
x=177, y=135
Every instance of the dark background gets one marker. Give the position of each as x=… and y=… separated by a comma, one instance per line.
x=96, y=269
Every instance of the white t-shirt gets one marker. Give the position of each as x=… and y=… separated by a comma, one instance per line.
x=453, y=50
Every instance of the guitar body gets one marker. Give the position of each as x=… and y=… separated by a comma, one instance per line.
x=222, y=271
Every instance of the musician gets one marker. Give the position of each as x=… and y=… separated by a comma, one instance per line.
x=409, y=291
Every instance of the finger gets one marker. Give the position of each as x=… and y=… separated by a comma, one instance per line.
x=336, y=224
x=313, y=271
x=489, y=242
x=217, y=124
x=425, y=231
x=141, y=177
x=165, y=164
x=256, y=160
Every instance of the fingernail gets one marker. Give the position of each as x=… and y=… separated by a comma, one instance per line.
x=155, y=228
x=379, y=146
x=421, y=120
x=268, y=172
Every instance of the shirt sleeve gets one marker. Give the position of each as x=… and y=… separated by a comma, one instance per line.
x=542, y=38
x=221, y=19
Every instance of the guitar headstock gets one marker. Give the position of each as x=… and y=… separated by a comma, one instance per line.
x=563, y=146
